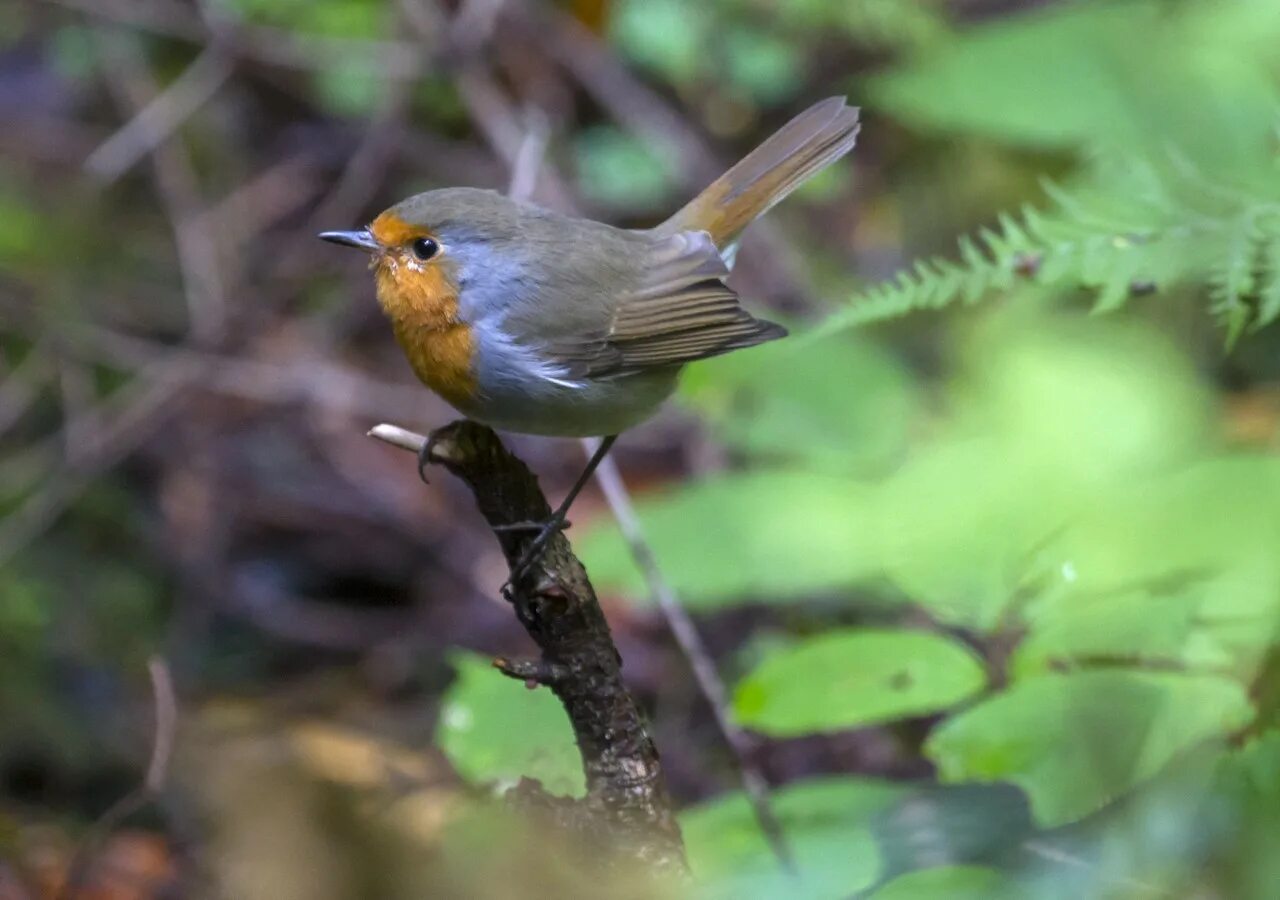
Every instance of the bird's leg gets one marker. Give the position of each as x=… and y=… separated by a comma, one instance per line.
x=557, y=521
x=527, y=525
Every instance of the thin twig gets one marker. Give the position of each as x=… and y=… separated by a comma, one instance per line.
x=166, y=723
x=685, y=631
x=21, y=385
x=391, y=59
x=1062, y=857
x=164, y=706
x=76, y=393
x=120, y=435
x=495, y=117
x=528, y=162
x=473, y=24
x=198, y=259
x=318, y=382
x=162, y=382
x=161, y=117
x=364, y=171
x=398, y=437
x=268, y=197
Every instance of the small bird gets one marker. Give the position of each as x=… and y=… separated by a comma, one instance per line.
x=537, y=322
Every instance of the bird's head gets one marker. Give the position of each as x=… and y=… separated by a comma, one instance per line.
x=425, y=251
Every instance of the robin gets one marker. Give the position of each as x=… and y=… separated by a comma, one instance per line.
x=536, y=322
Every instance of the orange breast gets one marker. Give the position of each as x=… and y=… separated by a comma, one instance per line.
x=421, y=299
x=442, y=359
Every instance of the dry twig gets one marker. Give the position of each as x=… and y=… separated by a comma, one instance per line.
x=165, y=716
x=162, y=116
x=695, y=651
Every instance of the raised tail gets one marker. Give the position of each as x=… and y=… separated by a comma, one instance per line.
x=804, y=146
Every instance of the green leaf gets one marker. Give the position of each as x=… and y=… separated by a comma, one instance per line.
x=1141, y=625
x=1255, y=767
x=1051, y=421
x=986, y=80
x=1175, y=568
x=1096, y=403
x=494, y=729
x=1216, y=515
x=827, y=824
x=954, y=526
x=947, y=883
x=845, y=679
x=1246, y=813
x=769, y=536
x=836, y=403
x=1075, y=742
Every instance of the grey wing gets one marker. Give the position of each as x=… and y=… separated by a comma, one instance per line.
x=677, y=311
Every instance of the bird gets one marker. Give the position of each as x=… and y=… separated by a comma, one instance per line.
x=532, y=321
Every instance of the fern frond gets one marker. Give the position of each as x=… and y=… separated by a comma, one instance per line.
x=1232, y=278
x=1133, y=228
x=1269, y=287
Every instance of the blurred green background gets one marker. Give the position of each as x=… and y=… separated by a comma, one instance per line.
x=986, y=550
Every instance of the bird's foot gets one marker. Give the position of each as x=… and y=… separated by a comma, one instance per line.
x=546, y=531
x=424, y=457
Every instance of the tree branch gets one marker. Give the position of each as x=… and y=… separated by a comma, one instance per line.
x=626, y=804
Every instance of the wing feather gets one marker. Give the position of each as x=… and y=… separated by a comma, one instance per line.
x=679, y=311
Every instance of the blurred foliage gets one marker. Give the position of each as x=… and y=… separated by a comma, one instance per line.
x=1075, y=741
x=1181, y=100
x=1072, y=505
x=997, y=591
x=764, y=403
x=615, y=169
x=811, y=517
x=826, y=820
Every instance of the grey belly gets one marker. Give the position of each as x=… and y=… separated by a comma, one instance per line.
x=594, y=409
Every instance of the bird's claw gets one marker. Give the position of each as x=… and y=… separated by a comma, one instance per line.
x=424, y=458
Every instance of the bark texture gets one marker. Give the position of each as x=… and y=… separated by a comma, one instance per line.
x=626, y=805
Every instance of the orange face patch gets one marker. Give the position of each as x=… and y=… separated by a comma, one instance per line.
x=391, y=231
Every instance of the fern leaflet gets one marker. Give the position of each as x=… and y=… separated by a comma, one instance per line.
x=1133, y=228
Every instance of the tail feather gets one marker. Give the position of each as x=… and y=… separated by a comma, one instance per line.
x=804, y=146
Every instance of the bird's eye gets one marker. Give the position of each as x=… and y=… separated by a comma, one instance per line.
x=424, y=248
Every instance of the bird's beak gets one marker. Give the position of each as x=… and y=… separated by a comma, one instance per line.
x=361, y=240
